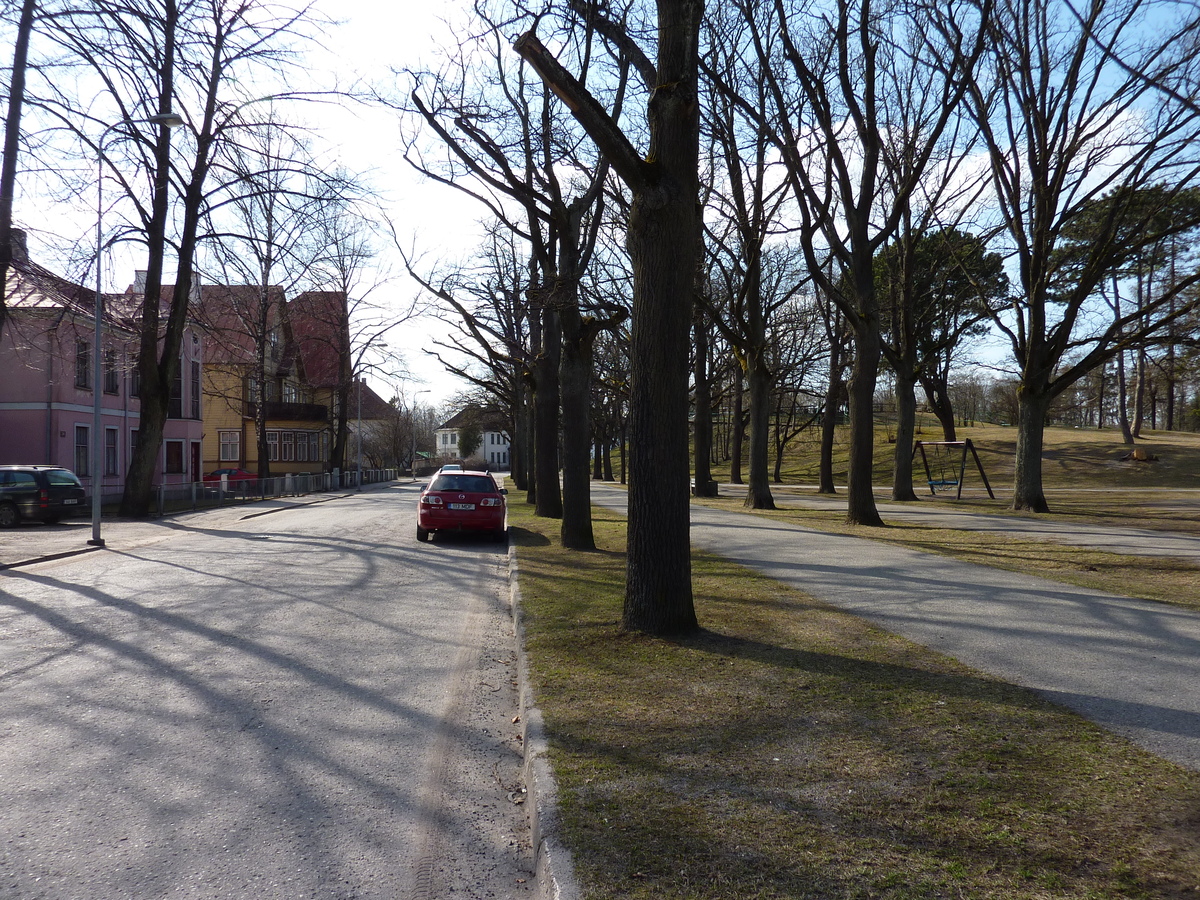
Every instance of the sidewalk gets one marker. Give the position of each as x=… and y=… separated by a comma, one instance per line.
x=1128, y=541
x=32, y=542
x=1132, y=666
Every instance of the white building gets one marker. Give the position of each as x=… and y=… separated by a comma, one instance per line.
x=493, y=448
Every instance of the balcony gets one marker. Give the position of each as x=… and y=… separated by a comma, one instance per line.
x=290, y=412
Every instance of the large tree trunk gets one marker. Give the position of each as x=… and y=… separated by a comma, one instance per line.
x=938, y=396
x=12, y=142
x=663, y=235
x=545, y=417
x=758, y=495
x=1123, y=400
x=705, y=485
x=341, y=424
x=157, y=366
x=1139, y=397
x=860, y=498
x=738, y=439
x=906, y=420
x=829, y=417
x=575, y=385
x=518, y=447
x=1031, y=424
x=662, y=239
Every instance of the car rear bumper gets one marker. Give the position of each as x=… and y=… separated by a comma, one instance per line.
x=475, y=520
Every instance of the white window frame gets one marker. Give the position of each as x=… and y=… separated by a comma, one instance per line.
x=229, y=446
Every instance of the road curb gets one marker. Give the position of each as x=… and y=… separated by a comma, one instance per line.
x=47, y=558
x=553, y=865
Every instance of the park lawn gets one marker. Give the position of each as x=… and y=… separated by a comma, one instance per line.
x=792, y=751
x=1073, y=458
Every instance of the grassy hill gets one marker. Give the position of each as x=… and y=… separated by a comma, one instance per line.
x=1073, y=457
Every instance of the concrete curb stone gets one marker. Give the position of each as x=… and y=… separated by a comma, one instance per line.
x=554, y=868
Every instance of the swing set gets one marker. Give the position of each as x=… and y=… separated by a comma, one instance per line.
x=942, y=474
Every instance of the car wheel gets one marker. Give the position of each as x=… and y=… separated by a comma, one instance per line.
x=9, y=515
x=422, y=533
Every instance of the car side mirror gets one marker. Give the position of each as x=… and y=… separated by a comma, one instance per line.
x=504, y=490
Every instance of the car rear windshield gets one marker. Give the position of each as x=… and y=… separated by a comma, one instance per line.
x=467, y=484
x=60, y=477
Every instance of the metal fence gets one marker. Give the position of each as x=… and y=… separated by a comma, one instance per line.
x=195, y=495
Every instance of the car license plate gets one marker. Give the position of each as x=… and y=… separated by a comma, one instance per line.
x=462, y=505
x=69, y=502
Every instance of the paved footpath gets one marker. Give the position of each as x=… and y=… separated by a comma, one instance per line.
x=1130, y=665
x=1129, y=541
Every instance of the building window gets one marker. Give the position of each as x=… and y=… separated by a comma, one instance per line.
x=301, y=446
x=133, y=438
x=289, y=446
x=273, y=445
x=314, y=447
x=82, y=456
x=290, y=394
x=175, y=401
x=110, y=452
x=112, y=378
x=135, y=378
x=174, y=460
x=83, y=364
x=231, y=445
x=195, y=389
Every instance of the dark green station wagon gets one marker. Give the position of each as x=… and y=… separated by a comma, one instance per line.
x=43, y=493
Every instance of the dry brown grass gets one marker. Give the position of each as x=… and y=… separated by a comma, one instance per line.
x=793, y=751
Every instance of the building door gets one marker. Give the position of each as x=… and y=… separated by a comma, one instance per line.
x=196, y=473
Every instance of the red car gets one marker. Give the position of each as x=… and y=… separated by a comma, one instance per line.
x=462, y=501
x=234, y=475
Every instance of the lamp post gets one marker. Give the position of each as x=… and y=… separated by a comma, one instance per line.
x=413, y=417
x=167, y=120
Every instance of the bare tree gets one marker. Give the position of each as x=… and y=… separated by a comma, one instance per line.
x=150, y=58
x=745, y=207
x=839, y=80
x=489, y=345
x=256, y=239
x=1076, y=104
x=662, y=238
x=517, y=150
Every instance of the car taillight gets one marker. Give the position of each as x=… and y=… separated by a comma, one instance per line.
x=43, y=498
x=491, y=501
x=432, y=500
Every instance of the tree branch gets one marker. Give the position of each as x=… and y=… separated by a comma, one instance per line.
x=621, y=155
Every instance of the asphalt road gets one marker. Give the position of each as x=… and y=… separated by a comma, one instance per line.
x=306, y=704
x=1130, y=665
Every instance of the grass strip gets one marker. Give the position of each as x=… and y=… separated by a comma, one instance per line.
x=1163, y=579
x=791, y=750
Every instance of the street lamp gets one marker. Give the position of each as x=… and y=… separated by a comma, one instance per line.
x=413, y=417
x=167, y=120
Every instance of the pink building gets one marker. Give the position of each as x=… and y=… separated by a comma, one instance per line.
x=46, y=374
